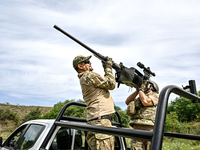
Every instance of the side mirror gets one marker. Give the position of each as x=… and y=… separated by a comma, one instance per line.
x=1, y=141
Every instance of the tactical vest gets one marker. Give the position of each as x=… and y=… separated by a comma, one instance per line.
x=144, y=116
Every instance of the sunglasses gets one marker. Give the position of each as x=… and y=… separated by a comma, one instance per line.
x=87, y=62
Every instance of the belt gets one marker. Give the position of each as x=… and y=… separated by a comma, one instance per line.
x=103, y=117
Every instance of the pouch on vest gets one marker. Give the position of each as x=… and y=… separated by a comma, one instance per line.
x=101, y=136
x=131, y=108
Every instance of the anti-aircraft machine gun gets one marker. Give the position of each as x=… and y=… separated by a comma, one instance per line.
x=128, y=76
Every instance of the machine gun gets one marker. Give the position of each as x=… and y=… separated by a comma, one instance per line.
x=128, y=76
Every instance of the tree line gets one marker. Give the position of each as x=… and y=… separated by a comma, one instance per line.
x=181, y=112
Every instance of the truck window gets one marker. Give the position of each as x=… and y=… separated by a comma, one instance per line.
x=30, y=136
x=66, y=139
x=14, y=138
x=24, y=137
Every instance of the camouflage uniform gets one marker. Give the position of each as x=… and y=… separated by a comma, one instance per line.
x=99, y=141
x=95, y=93
x=99, y=102
x=144, y=120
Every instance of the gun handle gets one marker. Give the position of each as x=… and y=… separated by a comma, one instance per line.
x=116, y=66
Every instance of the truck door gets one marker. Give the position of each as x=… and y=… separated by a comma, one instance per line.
x=68, y=139
x=71, y=139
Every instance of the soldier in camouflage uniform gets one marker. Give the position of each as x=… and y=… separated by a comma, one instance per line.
x=144, y=118
x=100, y=105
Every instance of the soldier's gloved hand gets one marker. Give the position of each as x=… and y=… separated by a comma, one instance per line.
x=108, y=63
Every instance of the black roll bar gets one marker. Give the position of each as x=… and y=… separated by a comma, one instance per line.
x=157, y=139
x=62, y=117
x=155, y=136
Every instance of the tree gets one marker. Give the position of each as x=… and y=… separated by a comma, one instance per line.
x=125, y=119
x=8, y=115
x=185, y=109
x=80, y=112
x=72, y=111
x=35, y=114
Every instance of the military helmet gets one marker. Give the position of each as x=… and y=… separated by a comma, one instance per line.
x=155, y=86
x=79, y=59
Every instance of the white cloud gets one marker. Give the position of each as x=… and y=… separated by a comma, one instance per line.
x=36, y=60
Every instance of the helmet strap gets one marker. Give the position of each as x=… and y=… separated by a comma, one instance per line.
x=148, y=88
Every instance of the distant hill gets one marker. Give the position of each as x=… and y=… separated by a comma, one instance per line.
x=22, y=111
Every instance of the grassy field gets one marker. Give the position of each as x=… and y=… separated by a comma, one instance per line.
x=180, y=144
x=175, y=144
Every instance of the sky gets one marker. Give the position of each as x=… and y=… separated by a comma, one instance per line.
x=36, y=59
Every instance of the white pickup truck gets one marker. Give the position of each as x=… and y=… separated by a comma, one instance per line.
x=33, y=134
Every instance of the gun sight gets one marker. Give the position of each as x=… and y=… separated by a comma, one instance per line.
x=145, y=70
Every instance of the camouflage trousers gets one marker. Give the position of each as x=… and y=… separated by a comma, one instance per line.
x=99, y=141
x=141, y=144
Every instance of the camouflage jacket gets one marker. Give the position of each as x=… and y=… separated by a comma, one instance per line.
x=146, y=115
x=95, y=92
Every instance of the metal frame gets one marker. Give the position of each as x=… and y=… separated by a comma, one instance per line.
x=158, y=131
x=155, y=136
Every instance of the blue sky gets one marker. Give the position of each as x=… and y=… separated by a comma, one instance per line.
x=36, y=60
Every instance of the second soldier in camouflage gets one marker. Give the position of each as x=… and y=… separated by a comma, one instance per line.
x=143, y=119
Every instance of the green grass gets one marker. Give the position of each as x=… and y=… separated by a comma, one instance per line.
x=175, y=144
x=180, y=144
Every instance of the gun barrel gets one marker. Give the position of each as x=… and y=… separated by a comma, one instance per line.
x=82, y=44
x=101, y=57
